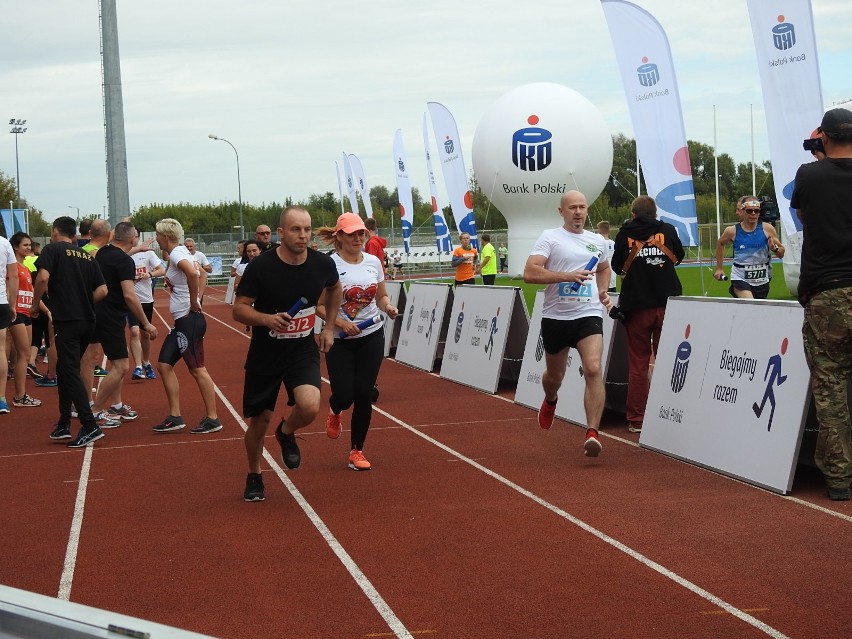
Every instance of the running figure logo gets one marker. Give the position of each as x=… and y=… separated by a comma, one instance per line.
x=773, y=373
x=431, y=324
x=489, y=345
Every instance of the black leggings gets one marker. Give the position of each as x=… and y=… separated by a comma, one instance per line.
x=353, y=366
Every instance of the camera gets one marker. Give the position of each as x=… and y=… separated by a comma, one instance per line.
x=813, y=145
x=769, y=209
x=617, y=313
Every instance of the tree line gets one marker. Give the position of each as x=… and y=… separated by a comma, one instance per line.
x=735, y=180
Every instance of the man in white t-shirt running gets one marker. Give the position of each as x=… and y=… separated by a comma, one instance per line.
x=572, y=314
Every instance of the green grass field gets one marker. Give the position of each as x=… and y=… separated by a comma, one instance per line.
x=697, y=281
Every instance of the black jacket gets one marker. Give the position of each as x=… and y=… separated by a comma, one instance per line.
x=651, y=278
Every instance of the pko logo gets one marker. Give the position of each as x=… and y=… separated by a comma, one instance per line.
x=681, y=363
x=448, y=145
x=783, y=34
x=401, y=165
x=532, y=148
x=648, y=73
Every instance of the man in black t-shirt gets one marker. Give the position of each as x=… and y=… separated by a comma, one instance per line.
x=263, y=235
x=283, y=348
x=74, y=282
x=119, y=273
x=822, y=197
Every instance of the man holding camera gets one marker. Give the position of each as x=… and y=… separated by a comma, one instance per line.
x=646, y=253
x=822, y=198
x=754, y=244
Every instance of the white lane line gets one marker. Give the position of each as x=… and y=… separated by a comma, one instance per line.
x=67, y=578
x=633, y=554
x=360, y=578
x=623, y=440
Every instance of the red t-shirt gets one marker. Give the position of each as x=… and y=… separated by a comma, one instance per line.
x=25, y=291
x=376, y=246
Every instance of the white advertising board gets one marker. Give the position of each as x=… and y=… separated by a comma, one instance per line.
x=482, y=321
x=424, y=325
x=730, y=388
x=529, y=391
x=396, y=293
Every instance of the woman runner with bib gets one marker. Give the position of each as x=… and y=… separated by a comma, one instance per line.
x=353, y=362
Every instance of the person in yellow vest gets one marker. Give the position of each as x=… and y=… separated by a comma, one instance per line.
x=488, y=263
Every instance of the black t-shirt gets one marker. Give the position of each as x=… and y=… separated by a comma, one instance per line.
x=275, y=286
x=116, y=265
x=74, y=275
x=823, y=194
x=652, y=277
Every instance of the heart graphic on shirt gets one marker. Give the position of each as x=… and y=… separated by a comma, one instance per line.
x=356, y=298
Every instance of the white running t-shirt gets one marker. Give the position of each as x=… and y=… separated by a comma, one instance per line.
x=567, y=251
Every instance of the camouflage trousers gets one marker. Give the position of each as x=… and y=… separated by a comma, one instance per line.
x=827, y=333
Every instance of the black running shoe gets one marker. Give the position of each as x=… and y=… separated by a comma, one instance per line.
x=254, y=488
x=170, y=423
x=289, y=448
x=207, y=425
x=86, y=437
x=61, y=432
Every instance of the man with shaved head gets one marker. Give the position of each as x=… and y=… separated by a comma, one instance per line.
x=283, y=349
x=263, y=235
x=572, y=316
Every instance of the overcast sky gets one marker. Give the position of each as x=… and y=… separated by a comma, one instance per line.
x=293, y=84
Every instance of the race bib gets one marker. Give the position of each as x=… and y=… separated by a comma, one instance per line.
x=301, y=325
x=754, y=272
x=567, y=294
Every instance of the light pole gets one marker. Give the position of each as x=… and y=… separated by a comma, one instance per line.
x=239, y=187
x=17, y=128
x=78, y=211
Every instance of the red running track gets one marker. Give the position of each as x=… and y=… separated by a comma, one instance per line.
x=473, y=523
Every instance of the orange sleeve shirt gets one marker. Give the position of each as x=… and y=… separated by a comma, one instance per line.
x=464, y=271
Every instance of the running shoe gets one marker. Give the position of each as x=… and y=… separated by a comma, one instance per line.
x=170, y=423
x=332, y=425
x=634, y=427
x=101, y=372
x=254, y=488
x=61, y=432
x=207, y=425
x=149, y=371
x=592, y=447
x=138, y=373
x=125, y=413
x=357, y=461
x=104, y=420
x=26, y=400
x=46, y=381
x=290, y=454
x=546, y=414
x=4, y=407
x=32, y=371
x=86, y=437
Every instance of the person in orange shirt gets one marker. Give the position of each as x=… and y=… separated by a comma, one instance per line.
x=464, y=257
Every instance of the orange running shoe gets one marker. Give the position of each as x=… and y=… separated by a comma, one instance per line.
x=545, y=414
x=332, y=425
x=357, y=461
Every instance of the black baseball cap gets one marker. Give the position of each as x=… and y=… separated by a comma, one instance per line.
x=837, y=122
